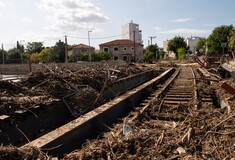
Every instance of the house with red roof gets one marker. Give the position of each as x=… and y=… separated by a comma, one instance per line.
x=80, y=49
x=123, y=49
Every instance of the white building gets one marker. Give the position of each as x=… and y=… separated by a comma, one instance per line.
x=165, y=49
x=165, y=45
x=192, y=42
x=131, y=31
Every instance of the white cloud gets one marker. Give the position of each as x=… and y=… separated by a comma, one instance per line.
x=71, y=15
x=48, y=39
x=0, y=14
x=6, y=3
x=210, y=25
x=180, y=20
x=185, y=30
x=27, y=20
x=158, y=29
x=2, y=4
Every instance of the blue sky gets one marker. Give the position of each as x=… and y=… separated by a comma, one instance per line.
x=50, y=20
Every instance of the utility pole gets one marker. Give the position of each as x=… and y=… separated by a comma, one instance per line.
x=21, y=50
x=89, y=37
x=66, y=49
x=151, y=39
x=3, y=58
x=134, y=45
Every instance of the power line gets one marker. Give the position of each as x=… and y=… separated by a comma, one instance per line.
x=52, y=39
x=68, y=36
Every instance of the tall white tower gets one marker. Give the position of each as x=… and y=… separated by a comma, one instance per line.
x=130, y=31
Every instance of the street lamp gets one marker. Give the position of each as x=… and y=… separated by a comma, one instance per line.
x=89, y=37
x=223, y=45
x=151, y=39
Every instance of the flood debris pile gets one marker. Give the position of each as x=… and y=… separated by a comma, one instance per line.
x=60, y=81
x=198, y=137
x=13, y=96
x=79, y=88
x=14, y=153
x=206, y=133
x=225, y=95
x=76, y=85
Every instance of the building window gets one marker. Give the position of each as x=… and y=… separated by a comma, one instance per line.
x=132, y=48
x=115, y=49
x=106, y=49
x=124, y=49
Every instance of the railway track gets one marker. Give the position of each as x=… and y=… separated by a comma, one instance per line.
x=167, y=100
x=181, y=94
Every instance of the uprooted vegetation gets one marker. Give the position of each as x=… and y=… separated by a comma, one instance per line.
x=207, y=133
x=71, y=84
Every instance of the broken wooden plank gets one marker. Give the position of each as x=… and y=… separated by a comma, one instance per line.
x=228, y=88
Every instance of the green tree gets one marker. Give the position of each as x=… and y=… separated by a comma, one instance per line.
x=13, y=56
x=181, y=53
x=20, y=47
x=98, y=56
x=154, y=49
x=161, y=54
x=201, y=45
x=232, y=40
x=72, y=58
x=218, y=36
x=104, y=56
x=85, y=57
x=95, y=57
x=148, y=56
x=34, y=47
x=47, y=56
x=34, y=57
x=176, y=43
x=59, y=50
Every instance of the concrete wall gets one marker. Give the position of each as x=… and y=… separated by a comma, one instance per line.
x=23, y=69
x=16, y=69
x=125, y=50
